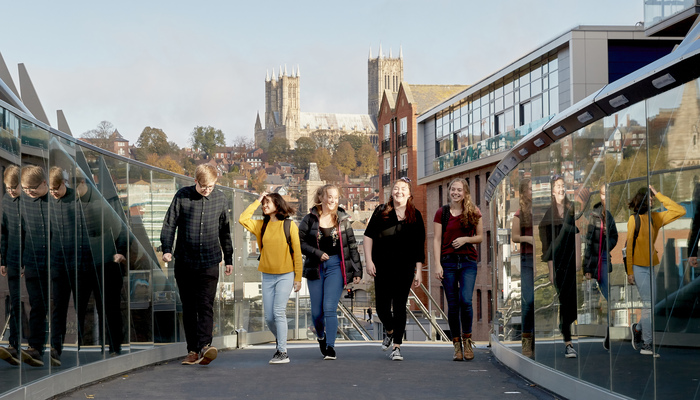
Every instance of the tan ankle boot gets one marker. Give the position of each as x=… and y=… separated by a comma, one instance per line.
x=527, y=345
x=458, y=350
x=467, y=346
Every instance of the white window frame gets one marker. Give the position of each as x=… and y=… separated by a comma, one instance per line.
x=387, y=131
x=404, y=125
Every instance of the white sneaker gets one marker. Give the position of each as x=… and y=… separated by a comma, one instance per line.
x=396, y=355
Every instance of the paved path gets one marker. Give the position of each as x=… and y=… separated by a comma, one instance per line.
x=362, y=371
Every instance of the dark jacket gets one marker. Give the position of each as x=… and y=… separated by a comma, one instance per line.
x=593, y=239
x=35, y=235
x=11, y=236
x=308, y=236
x=396, y=245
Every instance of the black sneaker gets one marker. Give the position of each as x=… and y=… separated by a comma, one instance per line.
x=570, y=352
x=387, y=342
x=636, y=337
x=330, y=353
x=32, y=357
x=396, y=354
x=647, y=350
x=280, y=358
x=322, y=345
x=9, y=354
x=606, y=342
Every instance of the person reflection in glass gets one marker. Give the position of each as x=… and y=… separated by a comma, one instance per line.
x=558, y=234
x=601, y=238
x=34, y=211
x=10, y=247
x=102, y=243
x=642, y=261
x=522, y=233
x=63, y=261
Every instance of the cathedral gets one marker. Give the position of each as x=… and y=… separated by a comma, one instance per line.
x=284, y=119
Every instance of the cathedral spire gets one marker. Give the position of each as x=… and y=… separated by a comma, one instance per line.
x=267, y=75
x=285, y=70
x=280, y=71
x=273, y=75
x=390, y=55
x=400, y=52
x=370, y=52
x=298, y=71
x=380, y=50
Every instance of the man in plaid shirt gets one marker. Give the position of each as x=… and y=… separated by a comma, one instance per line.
x=200, y=216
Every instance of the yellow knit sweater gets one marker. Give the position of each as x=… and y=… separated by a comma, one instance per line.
x=275, y=257
x=641, y=250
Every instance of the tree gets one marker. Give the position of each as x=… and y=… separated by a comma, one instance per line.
x=278, y=150
x=355, y=140
x=331, y=174
x=189, y=166
x=322, y=157
x=325, y=139
x=304, y=152
x=366, y=160
x=100, y=136
x=241, y=146
x=207, y=139
x=344, y=158
x=257, y=182
x=154, y=141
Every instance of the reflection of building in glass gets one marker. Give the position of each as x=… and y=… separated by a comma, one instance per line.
x=149, y=202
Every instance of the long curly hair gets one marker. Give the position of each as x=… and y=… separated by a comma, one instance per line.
x=567, y=202
x=284, y=210
x=318, y=200
x=640, y=202
x=470, y=214
x=525, y=203
x=410, y=214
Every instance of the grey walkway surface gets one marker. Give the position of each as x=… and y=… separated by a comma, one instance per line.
x=362, y=371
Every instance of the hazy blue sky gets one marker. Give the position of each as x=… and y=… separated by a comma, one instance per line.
x=178, y=64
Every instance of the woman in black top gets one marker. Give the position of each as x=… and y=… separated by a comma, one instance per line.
x=332, y=260
x=394, y=252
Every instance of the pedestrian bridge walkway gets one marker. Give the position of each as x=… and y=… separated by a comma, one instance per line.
x=362, y=371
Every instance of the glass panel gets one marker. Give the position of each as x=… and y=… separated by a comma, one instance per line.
x=627, y=172
x=64, y=260
x=34, y=211
x=143, y=258
x=10, y=249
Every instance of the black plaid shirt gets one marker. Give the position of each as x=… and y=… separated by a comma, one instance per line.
x=35, y=234
x=203, y=228
x=11, y=236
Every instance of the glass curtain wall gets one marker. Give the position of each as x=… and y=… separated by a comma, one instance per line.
x=566, y=217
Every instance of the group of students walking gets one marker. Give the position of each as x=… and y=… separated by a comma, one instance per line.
x=559, y=238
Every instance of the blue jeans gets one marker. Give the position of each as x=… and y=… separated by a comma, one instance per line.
x=325, y=293
x=275, y=290
x=458, y=280
x=527, y=287
x=642, y=279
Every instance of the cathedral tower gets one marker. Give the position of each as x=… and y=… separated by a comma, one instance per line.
x=282, y=105
x=382, y=74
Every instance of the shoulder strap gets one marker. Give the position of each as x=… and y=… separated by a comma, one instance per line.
x=262, y=233
x=637, y=222
x=287, y=234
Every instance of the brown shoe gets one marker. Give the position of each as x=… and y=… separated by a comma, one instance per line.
x=9, y=354
x=458, y=350
x=208, y=354
x=467, y=344
x=192, y=358
x=32, y=357
x=527, y=345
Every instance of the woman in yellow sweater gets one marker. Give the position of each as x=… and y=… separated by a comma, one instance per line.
x=641, y=259
x=280, y=265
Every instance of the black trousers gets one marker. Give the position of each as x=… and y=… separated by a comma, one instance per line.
x=107, y=298
x=197, y=292
x=62, y=286
x=38, y=293
x=15, y=313
x=391, y=286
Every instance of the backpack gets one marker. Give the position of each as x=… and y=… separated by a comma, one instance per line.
x=287, y=228
x=637, y=222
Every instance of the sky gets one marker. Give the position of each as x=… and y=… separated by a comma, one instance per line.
x=175, y=65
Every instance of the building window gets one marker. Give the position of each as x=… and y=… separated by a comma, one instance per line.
x=387, y=165
x=404, y=161
x=387, y=133
x=440, y=204
x=404, y=124
x=477, y=190
x=490, y=300
x=488, y=246
x=478, y=304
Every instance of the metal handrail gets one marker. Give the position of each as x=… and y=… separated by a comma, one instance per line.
x=434, y=323
x=432, y=300
x=354, y=322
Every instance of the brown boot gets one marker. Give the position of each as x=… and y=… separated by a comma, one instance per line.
x=527, y=345
x=458, y=349
x=467, y=346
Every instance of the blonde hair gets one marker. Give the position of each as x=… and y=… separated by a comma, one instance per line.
x=205, y=173
x=32, y=175
x=56, y=177
x=470, y=215
x=11, y=176
x=318, y=199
